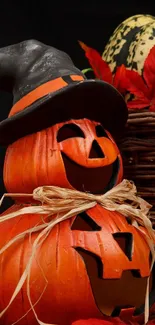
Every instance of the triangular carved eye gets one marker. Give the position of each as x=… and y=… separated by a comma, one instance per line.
x=125, y=242
x=85, y=223
x=96, y=151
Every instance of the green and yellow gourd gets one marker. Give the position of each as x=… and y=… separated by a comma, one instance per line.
x=130, y=43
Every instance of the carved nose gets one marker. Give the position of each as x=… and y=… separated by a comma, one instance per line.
x=96, y=151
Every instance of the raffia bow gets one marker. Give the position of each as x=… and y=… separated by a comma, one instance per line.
x=65, y=203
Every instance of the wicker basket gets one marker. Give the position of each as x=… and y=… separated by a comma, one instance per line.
x=138, y=152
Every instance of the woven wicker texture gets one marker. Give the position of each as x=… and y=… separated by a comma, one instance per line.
x=138, y=152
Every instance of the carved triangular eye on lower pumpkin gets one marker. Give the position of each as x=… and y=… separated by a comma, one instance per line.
x=125, y=242
x=84, y=223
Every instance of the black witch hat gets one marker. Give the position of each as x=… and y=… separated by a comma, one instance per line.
x=49, y=89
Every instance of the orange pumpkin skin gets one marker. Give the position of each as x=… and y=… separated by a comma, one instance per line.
x=76, y=154
x=70, y=294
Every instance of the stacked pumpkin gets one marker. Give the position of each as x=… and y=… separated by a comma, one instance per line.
x=95, y=264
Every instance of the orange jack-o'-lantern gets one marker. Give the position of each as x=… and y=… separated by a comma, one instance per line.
x=91, y=265
x=77, y=154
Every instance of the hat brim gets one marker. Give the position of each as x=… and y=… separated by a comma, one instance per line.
x=92, y=99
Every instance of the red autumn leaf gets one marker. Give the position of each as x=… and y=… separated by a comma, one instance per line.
x=138, y=103
x=125, y=80
x=149, y=68
x=91, y=321
x=99, y=66
x=135, y=84
x=102, y=70
x=95, y=321
x=143, y=89
x=84, y=46
x=118, y=79
x=152, y=108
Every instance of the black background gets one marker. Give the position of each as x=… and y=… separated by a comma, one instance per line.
x=61, y=24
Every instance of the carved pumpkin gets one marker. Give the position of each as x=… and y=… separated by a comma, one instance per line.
x=95, y=264
x=76, y=154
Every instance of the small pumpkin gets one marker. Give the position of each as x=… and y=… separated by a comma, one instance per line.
x=91, y=265
x=77, y=154
x=130, y=43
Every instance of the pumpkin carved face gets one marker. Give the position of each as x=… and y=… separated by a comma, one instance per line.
x=77, y=154
x=95, y=264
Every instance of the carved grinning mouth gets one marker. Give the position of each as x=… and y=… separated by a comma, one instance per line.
x=113, y=295
x=95, y=180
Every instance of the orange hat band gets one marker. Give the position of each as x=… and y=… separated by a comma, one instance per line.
x=41, y=91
